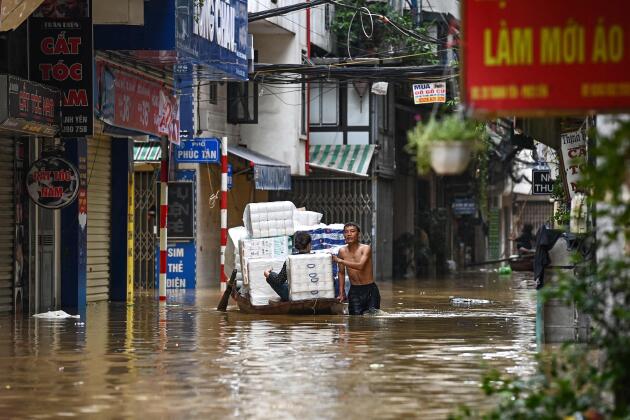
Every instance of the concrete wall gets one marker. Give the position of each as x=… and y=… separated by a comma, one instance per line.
x=278, y=131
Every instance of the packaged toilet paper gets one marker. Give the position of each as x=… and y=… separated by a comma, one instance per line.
x=278, y=247
x=259, y=290
x=310, y=276
x=264, y=220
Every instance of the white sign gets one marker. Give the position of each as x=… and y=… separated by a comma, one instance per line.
x=216, y=23
x=426, y=93
x=573, y=147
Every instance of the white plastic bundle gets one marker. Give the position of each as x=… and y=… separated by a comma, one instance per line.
x=264, y=220
x=310, y=276
x=259, y=290
x=302, y=219
x=232, y=254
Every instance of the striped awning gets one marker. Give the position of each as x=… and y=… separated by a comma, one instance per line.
x=348, y=158
x=148, y=152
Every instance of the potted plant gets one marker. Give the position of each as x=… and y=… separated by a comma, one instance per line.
x=445, y=145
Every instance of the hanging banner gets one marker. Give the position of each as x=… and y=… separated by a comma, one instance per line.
x=540, y=57
x=129, y=100
x=573, y=147
x=60, y=55
x=427, y=93
x=52, y=182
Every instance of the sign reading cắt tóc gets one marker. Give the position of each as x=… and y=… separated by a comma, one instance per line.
x=573, y=147
x=539, y=57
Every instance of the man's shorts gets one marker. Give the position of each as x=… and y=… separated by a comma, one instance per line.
x=364, y=298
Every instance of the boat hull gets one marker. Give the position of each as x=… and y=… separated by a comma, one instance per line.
x=302, y=307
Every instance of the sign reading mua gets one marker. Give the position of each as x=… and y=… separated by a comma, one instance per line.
x=60, y=55
x=540, y=57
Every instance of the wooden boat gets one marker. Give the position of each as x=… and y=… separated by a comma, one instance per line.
x=302, y=307
x=522, y=263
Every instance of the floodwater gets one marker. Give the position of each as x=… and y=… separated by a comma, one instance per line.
x=186, y=360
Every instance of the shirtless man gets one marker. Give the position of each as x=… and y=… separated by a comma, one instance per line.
x=357, y=259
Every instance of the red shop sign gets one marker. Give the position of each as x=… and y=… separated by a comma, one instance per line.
x=127, y=100
x=541, y=57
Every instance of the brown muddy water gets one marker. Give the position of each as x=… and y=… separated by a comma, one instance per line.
x=185, y=360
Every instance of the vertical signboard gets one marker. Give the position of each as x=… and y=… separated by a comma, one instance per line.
x=181, y=265
x=60, y=55
x=573, y=147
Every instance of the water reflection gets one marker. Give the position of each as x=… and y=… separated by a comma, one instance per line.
x=183, y=359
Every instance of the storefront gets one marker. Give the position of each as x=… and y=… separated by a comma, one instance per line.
x=29, y=118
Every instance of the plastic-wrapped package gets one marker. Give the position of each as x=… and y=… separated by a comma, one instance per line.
x=278, y=247
x=259, y=290
x=263, y=220
x=310, y=276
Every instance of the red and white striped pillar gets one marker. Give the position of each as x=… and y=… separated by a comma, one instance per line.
x=163, y=215
x=224, y=182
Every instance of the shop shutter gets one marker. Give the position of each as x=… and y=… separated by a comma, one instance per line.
x=7, y=224
x=99, y=218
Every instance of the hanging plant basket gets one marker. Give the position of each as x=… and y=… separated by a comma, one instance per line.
x=445, y=145
x=450, y=157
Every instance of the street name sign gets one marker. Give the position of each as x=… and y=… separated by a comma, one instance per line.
x=542, y=184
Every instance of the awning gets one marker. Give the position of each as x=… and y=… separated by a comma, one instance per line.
x=269, y=174
x=347, y=158
x=147, y=152
x=14, y=12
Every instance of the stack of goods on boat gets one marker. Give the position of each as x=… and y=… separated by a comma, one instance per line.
x=257, y=256
x=310, y=277
x=265, y=242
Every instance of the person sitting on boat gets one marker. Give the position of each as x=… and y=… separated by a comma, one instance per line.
x=525, y=241
x=278, y=281
x=357, y=258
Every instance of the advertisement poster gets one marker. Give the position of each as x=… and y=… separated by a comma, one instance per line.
x=427, y=93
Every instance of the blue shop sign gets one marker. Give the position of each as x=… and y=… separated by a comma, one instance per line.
x=181, y=265
x=229, y=177
x=199, y=150
x=464, y=206
x=213, y=36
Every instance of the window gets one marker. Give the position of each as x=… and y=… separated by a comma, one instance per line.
x=242, y=103
x=324, y=104
x=383, y=113
x=213, y=93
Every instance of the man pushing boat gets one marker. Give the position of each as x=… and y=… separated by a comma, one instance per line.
x=356, y=257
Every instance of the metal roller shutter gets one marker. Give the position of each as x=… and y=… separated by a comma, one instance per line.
x=99, y=218
x=7, y=224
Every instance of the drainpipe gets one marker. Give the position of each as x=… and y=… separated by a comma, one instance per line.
x=307, y=155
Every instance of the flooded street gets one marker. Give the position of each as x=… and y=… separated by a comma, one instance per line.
x=186, y=360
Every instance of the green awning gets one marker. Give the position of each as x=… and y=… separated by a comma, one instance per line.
x=149, y=152
x=348, y=158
